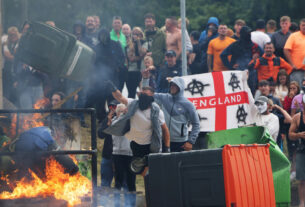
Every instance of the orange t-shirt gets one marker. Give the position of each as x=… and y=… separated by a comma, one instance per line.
x=215, y=48
x=296, y=45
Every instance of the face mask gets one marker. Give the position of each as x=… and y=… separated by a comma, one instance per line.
x=261, y=107
x=145, y=101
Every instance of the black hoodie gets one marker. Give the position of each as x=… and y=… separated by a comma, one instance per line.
x=110, y=58
x=83, y=38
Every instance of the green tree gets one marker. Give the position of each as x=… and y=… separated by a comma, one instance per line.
x=66, y=12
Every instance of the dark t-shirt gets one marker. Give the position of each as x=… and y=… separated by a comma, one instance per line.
x=301, y=146
x=279, y=39
x=165, y=72
x=196, y=66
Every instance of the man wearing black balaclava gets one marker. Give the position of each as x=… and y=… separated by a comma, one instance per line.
x=108, y=62
x=242, y=51
x=147, y=123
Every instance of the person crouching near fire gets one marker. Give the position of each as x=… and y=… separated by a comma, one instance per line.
x=143, y=124
x=35, y=140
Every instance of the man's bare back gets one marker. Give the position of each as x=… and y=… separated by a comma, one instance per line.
x=173, y=41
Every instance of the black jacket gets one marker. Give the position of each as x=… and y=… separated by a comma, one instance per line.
x=165, y=72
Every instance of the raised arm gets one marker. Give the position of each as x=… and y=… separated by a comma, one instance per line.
x=287, y=117
x=116, y=93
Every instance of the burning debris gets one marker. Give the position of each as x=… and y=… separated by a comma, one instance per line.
x=56, y=183
x=29, y=121
x=35, y=175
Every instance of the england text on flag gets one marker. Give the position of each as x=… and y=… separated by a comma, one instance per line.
x=222, y=99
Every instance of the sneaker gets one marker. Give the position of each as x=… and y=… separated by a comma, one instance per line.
x=137, y=165
x=292, y=175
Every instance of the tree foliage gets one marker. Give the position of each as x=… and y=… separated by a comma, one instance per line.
x=66, y=12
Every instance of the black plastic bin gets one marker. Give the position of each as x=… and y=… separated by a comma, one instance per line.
x=45, y=48
x=55, y=52
x=185, y=179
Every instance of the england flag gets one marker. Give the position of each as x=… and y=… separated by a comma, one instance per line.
x=223, y=99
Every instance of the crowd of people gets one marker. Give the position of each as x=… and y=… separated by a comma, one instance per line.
x=150, y=59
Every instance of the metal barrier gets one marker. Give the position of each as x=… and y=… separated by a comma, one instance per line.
x=92, y=152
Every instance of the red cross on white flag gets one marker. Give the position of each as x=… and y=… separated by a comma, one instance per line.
x=222, y=99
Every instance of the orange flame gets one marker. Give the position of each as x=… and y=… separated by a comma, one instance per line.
x=73, y=157
x=29, y=121
x=58, y=184
x=42, y=103
x=4, y=144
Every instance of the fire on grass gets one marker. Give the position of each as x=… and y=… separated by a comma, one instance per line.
x=57, y=184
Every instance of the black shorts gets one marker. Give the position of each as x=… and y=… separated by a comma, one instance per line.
x=139, y=150
x=300, y=166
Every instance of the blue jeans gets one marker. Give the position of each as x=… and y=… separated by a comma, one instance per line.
x=106, y=172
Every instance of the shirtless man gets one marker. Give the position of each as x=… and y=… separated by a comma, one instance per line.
x=173, y=36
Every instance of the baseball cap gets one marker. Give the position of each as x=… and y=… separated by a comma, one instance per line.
x=171, y=53
x=262, y=99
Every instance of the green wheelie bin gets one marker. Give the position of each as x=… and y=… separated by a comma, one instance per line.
x=279, y=162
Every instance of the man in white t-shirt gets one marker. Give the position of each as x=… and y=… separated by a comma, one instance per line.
x=141, y=122
x=141, y=126
x=259, y=36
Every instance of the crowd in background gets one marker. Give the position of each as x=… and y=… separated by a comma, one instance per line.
x=274, y=57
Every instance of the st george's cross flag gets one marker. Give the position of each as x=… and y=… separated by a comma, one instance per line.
x=223, y=99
